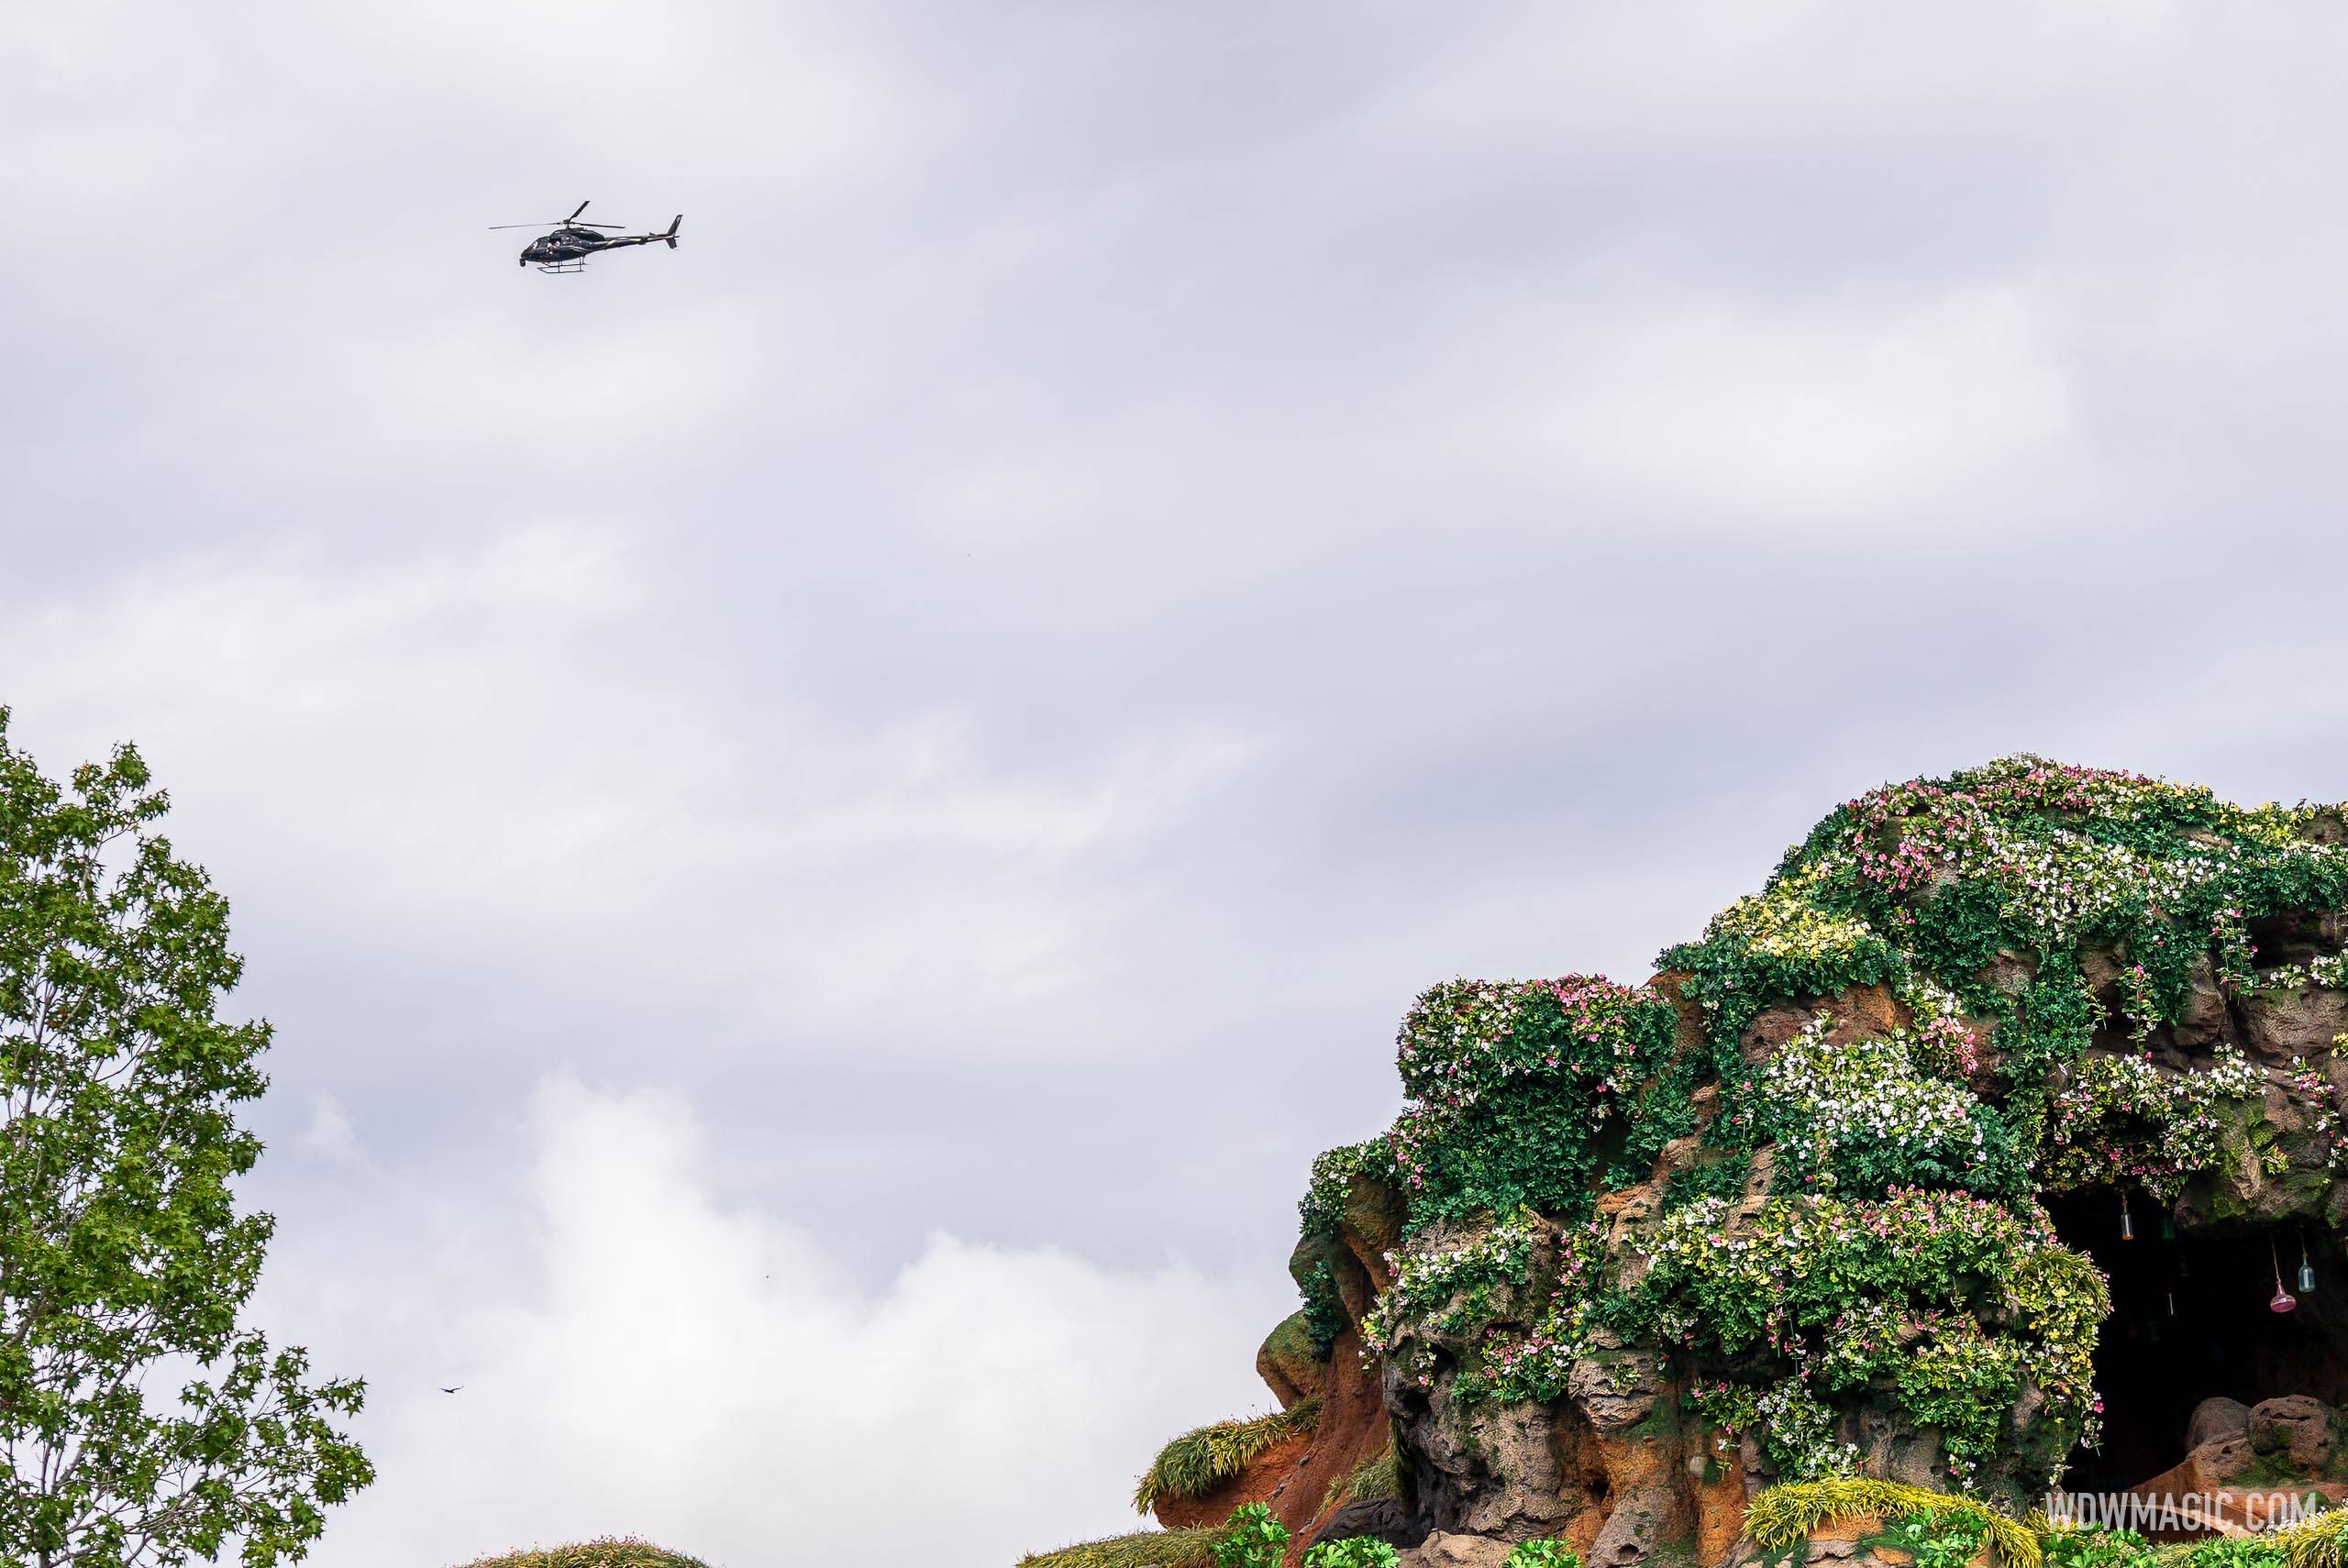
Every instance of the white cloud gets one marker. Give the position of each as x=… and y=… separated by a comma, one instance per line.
x=1756, y=414
x=1865, y=411
x=637, y=1356
x=483, y=737
x=484, y=379
x=329, y=1135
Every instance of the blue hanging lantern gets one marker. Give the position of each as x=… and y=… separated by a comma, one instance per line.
x=2168, y=1227
x=2306, y=1268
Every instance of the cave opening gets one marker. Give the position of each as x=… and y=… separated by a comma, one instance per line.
x=2192, y=1320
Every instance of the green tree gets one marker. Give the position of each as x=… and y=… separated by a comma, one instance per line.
x=141, y=1424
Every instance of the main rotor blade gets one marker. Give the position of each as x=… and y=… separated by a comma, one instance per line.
x=543, y=223
x=575, y=211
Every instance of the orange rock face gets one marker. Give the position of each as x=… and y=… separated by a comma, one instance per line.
x=1293, y=1478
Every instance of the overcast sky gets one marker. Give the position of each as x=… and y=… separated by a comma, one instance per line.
x=829, y=819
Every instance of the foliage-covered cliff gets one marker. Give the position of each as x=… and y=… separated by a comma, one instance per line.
x=1817, y=1199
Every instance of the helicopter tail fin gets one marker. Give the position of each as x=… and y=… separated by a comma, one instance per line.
x=672, y=236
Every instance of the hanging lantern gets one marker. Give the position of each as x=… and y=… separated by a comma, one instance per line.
x=2171, y=1303
x=2282, y=1300
x=2168, y=1227
x=2306, y=1268
x=2127, y=1226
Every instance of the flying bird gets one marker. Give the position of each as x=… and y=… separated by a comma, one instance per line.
x=451, y=1390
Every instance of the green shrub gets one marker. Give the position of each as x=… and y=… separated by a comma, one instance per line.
x=1941, y=1540
x=1325, y=1310
x=1722, y=1176
x=1323, y=1208
x=2094, y=1546
x=1514, y=1086
x=2238, y=1551
x=1251, y=1538
x=1354, y=1551
x=1197, y=1461
x=1857, y=1292
x=1543, y=1554
x=1862, y=1117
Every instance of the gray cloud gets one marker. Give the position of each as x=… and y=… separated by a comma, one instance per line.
x=1128, y=541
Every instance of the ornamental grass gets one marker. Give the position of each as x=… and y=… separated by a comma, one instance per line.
x=2321, y=1541
x=1144, y=1548
x=1374, y=1479
x=1786, y=1514
x=1197, y=1461
x=610, y=1551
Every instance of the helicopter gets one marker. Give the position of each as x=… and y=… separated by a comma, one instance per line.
x=568, y=246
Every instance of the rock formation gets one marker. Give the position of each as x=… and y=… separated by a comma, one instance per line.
x=1978, y=1149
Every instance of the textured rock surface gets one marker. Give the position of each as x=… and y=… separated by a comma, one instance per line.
x=1286, y=1363
x=1389, y=1519
x=2287, y=1026
x=1863, y=1012
x=1442, y=1550
x=2213, y=1465
x=1723, y=1475
x=1507, y=1470
x=1841, y=1544
x=2296, y=1428
x=2216, y=1417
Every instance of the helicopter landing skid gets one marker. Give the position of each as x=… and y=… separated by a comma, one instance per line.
x=562, y=266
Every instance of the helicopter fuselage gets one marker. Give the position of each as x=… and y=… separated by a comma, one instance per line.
x=566, y=247
x=568, y=244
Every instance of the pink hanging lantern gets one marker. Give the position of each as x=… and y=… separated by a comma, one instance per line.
x=2282, y=1300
